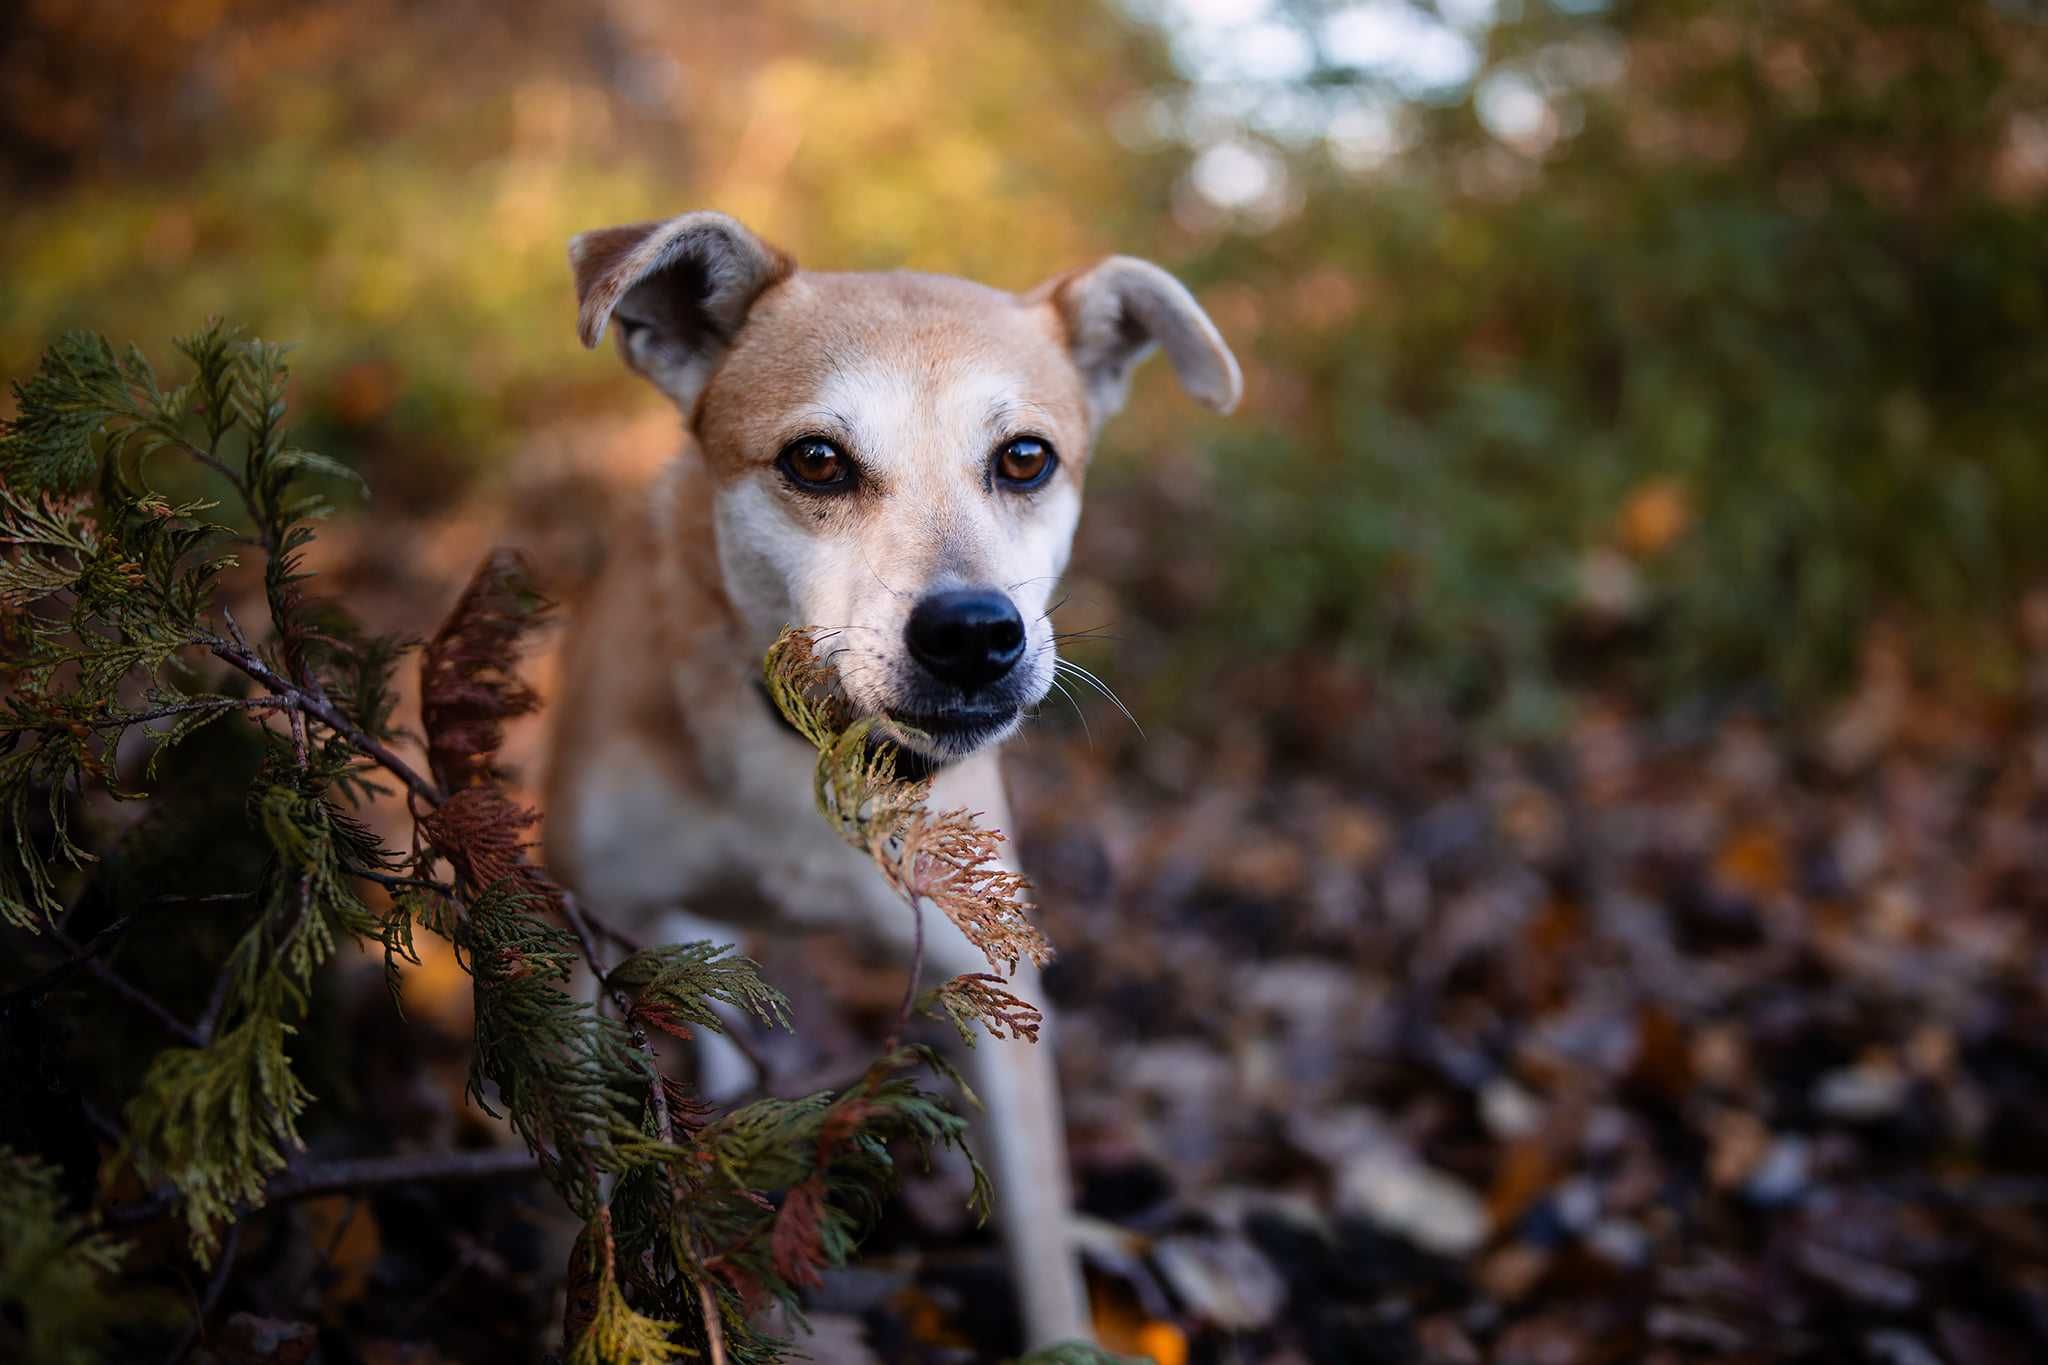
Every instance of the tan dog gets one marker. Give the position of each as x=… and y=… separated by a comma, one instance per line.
x=894, y=457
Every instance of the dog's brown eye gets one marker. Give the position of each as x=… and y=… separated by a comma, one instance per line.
x=816, y=465
x=1025, y=462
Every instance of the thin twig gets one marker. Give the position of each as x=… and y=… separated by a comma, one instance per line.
x=834, y=1075
x=607, y=929
x=318, y=707
x=395, y=881
x=353, y=1175
x=216, y=1000
x=580, y=926
x=218, y=466
x=211, y=1299
x=736, y=1034
x=714, y=1326
x=657, y=1098
x=87, y=956
x=587, y=926
x=657, y=1093
x=101, y=1124
x=124, y=719
x=916, y=971
x=468, y=1256
x=349, y=1175
x=334, y=1240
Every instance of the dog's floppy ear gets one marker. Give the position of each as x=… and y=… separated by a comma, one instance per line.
x=1117, y=310
x=678, y=290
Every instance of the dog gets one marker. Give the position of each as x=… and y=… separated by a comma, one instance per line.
x=897, y=458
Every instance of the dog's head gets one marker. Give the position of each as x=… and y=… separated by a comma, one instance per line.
x=897, y=458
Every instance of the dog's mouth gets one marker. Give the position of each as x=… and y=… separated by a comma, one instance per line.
x=948, y=731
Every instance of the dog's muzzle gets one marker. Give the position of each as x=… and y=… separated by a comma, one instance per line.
x=966, y=644
x=969, y=638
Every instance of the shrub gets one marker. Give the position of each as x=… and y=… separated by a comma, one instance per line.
x=692, y=1218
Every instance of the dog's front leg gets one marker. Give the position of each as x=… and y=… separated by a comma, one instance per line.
x=724, y=1071
x=1021, y=1138
x=1022, y=1141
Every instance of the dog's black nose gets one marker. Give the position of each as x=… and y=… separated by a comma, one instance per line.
x=969, y=637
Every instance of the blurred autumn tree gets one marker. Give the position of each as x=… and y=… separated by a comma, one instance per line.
x=1688, y=337
x=397, y=186
x=1671, y=344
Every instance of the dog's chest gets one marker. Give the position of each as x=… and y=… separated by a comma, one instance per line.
x=738, y=839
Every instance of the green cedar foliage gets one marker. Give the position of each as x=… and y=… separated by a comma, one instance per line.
x=113, y=628
x=58, y=1262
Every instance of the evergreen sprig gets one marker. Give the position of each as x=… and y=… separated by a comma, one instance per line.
x=946, y=859
x=673, y=985
x=111, y=564
x=58, y=1269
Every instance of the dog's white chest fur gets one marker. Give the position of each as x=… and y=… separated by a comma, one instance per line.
x=748, y=839
x=746, y=847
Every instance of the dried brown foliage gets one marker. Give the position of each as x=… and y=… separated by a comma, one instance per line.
x=469, y=679
x=795, y=1242
x=944, y=858
x=469, y=687
x=482, y=833
x=979, y=997
x=950, y=860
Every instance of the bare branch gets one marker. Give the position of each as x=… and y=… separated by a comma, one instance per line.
x=87, y=956
x=607, y=929
x=902, y=1023
x=317, y=706
x=714, y=1328
x=396, y=882
x=128, y=718
x=579, y=924
x=368, y=1173
x=354, y=1175
x=202, y=1310
x=209, y=1018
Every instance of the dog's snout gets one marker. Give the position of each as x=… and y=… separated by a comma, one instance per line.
x=969, y=637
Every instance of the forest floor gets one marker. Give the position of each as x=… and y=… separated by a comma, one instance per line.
x=1380, y=1042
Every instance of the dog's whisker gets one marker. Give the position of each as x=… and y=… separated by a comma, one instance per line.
x=1113, y=702
x=878, y=574
x=1064, y=598
x=1087, y=733
x=1087, y=676
x=1075, y=670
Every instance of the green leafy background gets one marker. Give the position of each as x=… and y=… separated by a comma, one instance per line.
x=1724, y=352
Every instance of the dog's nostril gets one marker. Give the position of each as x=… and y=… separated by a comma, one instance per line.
x=968, y=637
